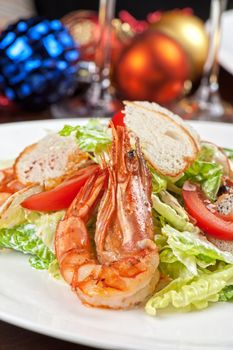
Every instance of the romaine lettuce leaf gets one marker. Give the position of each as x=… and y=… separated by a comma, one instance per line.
x=95, y=136
x=207, y=170
x=171, y=268
x=188, y=293
x=45, y=222
x=46, y=226
x=200, y=272
x=172, y=212
x=205, y=173
x=207, y=153
x=193, y=250
x=158, y=182
x=24, y=239
x=226, y=294
x=12, y=213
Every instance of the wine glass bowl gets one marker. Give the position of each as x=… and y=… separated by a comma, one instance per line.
x=99, y=99
x=206, y=102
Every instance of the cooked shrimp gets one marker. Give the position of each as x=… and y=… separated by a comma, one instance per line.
x=121, y=271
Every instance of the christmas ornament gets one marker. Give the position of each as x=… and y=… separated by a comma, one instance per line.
x=6, y=104
x=37, y=62
x=189, y=31
x=85, y=30
x=134, y=25
x=152, y=67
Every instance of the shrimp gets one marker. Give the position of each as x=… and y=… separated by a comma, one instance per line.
x=121, y=271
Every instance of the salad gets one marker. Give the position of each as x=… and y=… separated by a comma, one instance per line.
x=138, y=211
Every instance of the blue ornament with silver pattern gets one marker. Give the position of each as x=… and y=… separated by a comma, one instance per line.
x=38, y=59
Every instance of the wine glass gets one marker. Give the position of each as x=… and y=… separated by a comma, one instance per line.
x=206, y=103
x=99, y=99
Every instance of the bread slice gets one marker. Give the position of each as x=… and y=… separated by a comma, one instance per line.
x=226, y=246
x=49, y=160
x=168, y=143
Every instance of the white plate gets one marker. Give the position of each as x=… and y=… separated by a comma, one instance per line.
x=31, y=299
x=226, y=47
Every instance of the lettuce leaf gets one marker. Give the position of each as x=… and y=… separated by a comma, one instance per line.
x=54, y=270
x=200, y=272
x=46, y=223
x=46, y=226
x=188, y=293
x=14, y=214
x=171, y=211
x=95, y=136
x=158, y=182
x=207, y=174
x=193, y=250
x=207, y=170
x=23, y=238
x=226, y=294
x=30, y=232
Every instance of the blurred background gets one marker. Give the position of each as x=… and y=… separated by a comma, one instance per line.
x=101, y=52
x=139, y=9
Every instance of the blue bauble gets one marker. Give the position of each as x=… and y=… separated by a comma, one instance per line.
x=37, y=62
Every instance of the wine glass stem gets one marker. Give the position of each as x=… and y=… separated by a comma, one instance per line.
x=103, y=52
x=211, y=68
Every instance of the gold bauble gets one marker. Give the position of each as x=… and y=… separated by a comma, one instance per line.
x=190, y=32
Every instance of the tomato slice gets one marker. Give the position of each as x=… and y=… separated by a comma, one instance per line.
x=200, y=209
x=61, y=196
x=118, y=119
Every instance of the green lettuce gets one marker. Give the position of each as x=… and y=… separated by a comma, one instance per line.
x=193, y=292
x=207, y=174
x=15, y=214
x=171, y=211
x=205, y=171
x=94, y=137
x=54, y=270
x=158, y=182
x=33, y=233
x=192, y=250
x=23, y=238
x=198, y=271
x=46, y=224
x=226, y=294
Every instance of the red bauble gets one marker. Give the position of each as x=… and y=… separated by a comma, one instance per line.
x=84, y=27
x=6, y=104
x=153, y=67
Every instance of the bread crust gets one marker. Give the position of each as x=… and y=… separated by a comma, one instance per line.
x=175, y=118
x=193, y=141
x=75, y=160
x=26, y=150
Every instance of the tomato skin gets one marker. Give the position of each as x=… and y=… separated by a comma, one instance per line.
x=61, y=196
x=210, y=222
x=118, y=119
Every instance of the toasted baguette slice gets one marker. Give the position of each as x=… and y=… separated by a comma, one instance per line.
x=168, y=143
x=49, y=160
